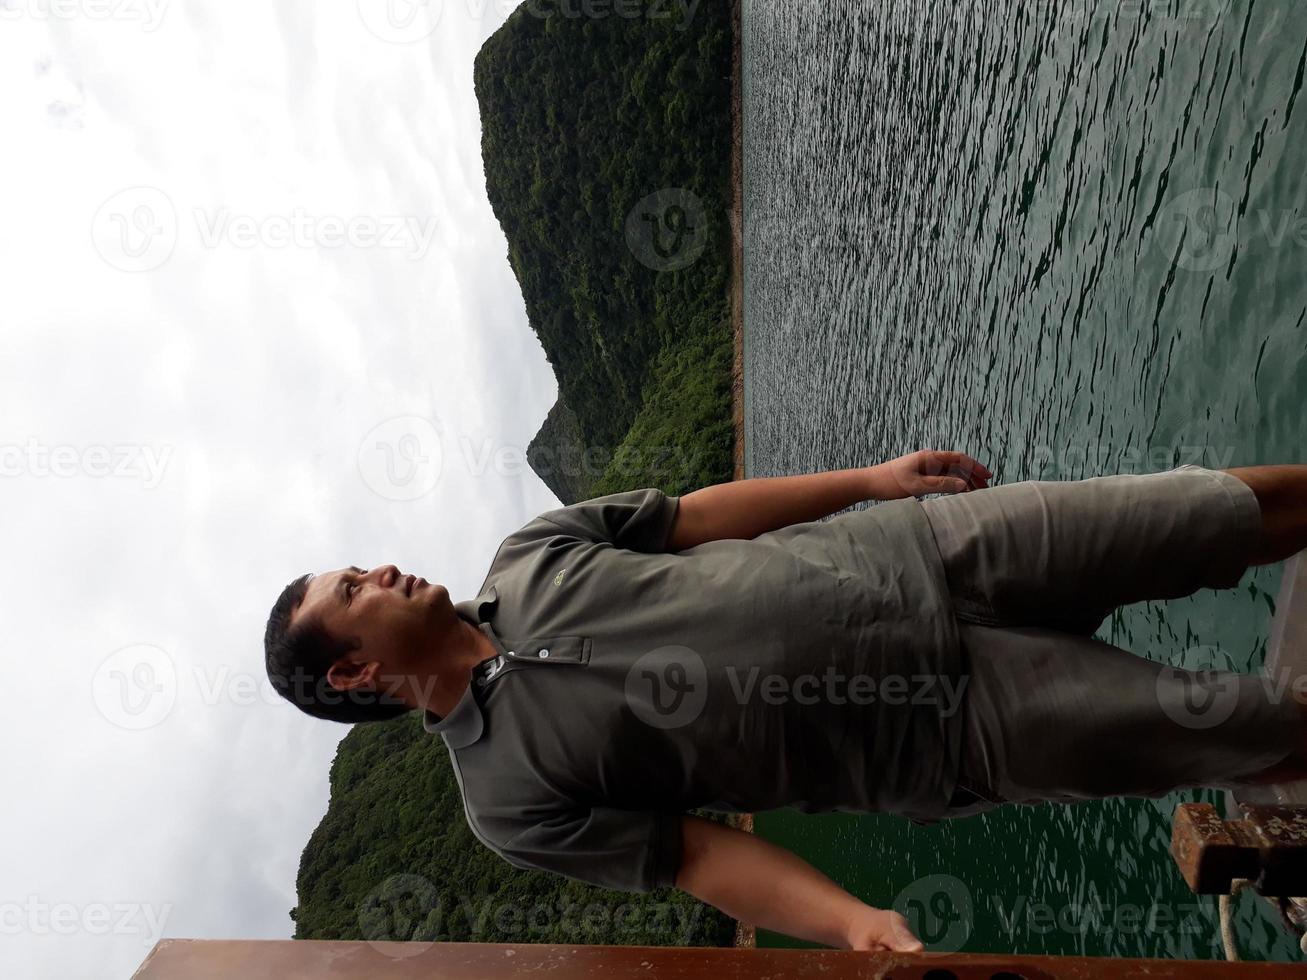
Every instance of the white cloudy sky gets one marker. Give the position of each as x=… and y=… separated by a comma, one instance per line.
x=256, y=319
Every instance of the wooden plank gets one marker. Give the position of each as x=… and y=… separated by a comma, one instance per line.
x=287, y=959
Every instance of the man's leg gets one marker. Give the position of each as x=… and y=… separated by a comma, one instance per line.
x=1294, y=767
x=1063, y=554
x=1064, y=717
x=1281, y=492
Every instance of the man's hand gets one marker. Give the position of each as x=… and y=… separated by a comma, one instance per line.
x=882, y=929
x=928, y=471
x=753, y=880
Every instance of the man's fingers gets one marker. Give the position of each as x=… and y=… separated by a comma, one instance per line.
x=902, y=938
x=960, y=460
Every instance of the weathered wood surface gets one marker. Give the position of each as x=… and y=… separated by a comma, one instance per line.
x=221, y=959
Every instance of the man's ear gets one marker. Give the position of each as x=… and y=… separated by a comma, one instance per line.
x=346, y=674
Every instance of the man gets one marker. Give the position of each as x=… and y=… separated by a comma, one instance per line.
x=632, y=657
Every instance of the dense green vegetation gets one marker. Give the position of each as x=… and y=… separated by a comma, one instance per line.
x=681, y=439
x=583, y=118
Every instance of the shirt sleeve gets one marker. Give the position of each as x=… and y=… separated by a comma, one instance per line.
x=629, y=850
x=637, y=520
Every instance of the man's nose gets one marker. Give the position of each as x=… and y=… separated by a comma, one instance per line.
x=387, y=575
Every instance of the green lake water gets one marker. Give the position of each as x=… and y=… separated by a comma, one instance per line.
x=1069, y=238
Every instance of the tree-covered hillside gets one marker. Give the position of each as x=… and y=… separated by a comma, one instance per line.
x=606, y=144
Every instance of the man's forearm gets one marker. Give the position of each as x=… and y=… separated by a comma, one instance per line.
x=761, y=884
x=747, y=508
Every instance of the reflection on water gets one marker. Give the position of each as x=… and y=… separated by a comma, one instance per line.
x=1068, y=237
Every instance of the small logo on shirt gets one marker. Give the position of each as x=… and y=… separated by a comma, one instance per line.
x=558, y=579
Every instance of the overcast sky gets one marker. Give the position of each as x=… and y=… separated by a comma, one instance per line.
x=257, y=320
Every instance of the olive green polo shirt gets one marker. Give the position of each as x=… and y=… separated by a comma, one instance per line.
x=816, y=666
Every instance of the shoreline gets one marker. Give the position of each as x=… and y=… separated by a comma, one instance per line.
x=745, y=935
x=737, y=242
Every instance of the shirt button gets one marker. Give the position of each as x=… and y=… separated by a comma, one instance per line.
x=512, y=653
x=544, y=653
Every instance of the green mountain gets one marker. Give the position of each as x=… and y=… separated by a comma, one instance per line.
x=557, y=455
x=606, y=145
x=605, y=141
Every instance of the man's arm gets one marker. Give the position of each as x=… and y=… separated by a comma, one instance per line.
x=755, y=881
x=747, y=508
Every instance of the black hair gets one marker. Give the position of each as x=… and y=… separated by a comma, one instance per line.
x=298, y=657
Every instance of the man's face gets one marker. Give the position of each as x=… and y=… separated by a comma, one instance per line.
x=399, y=619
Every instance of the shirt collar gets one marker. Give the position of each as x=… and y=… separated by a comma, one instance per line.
x=474, y=610
x=464, y=724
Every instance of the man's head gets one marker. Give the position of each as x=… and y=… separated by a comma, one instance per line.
x=354, y=645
